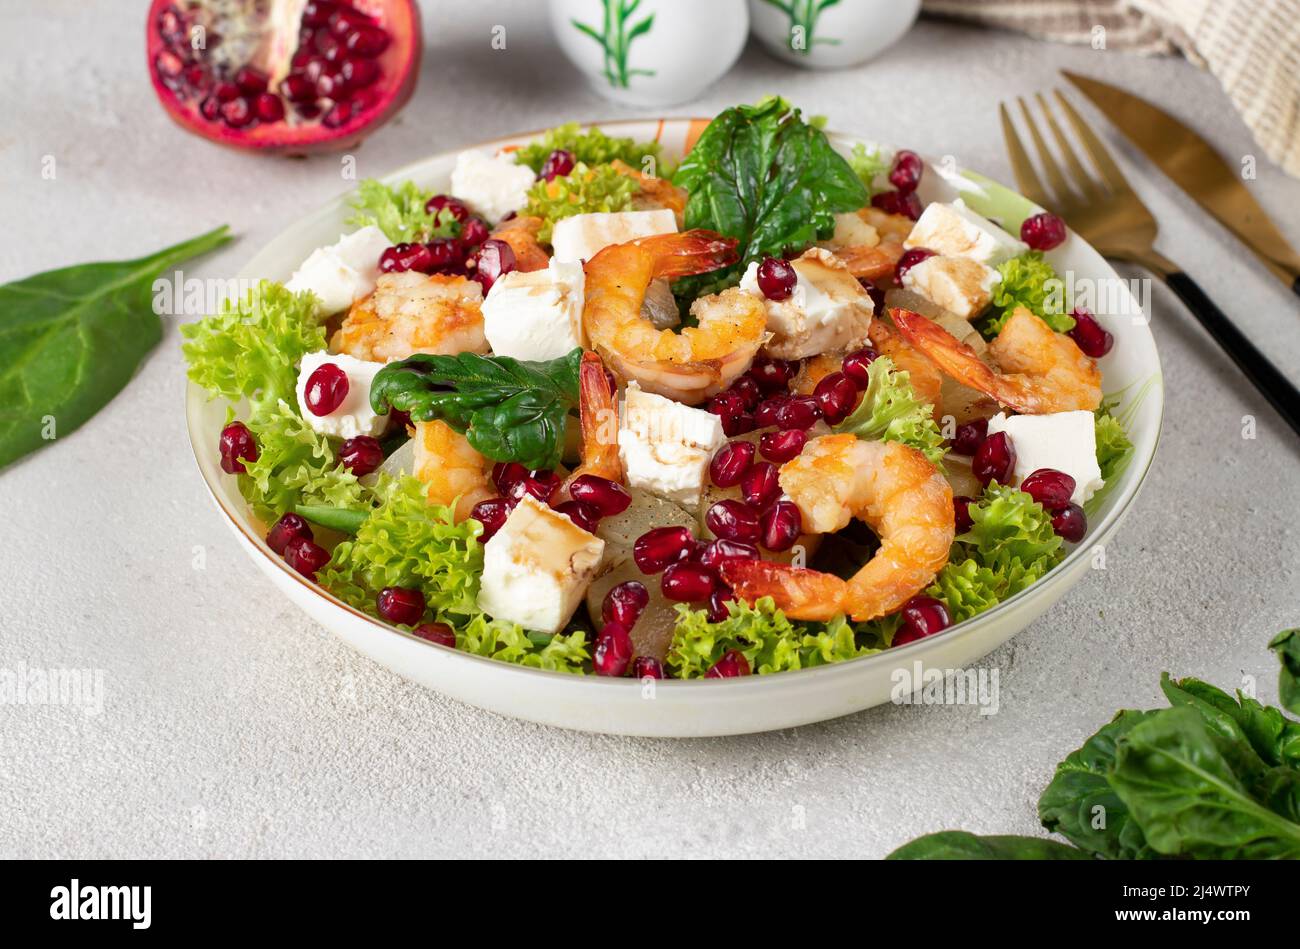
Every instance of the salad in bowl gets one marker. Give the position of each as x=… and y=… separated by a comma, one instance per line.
x=591, y=411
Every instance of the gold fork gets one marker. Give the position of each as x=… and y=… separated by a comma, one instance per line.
x=1104, y=210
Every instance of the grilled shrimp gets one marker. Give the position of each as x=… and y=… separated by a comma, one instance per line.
x=926, y=379
x=869, y=241
x=450, y=468
x=1038, y=370
x=655, y=192
x=413, y=313
x=896, y=491
x=598, y=415
x=520, y=232
x=688, y=366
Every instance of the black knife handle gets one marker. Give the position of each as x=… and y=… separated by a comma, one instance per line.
x=1254, y=365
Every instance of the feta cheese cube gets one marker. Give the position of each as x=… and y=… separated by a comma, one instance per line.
x=958, y=284
x=354, y=416
x=1066, y=441
x=537, y=567
x=954, y=230
x=827, y=310
x=582, y=236
x=493, y=185
x=852, y=230
x=343, y=272
x=666, y=446
x=536, y=315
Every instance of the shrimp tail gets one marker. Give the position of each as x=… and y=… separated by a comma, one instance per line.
x=797, y=591
x=691, y=252
x=598, y=418
x=955, y=358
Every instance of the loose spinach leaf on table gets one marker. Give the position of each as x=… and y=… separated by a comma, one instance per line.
x=762, y=175
x=1287, y=646
x=960, y=845
x=508, y=409
x=70, y=339
x=1273, y=736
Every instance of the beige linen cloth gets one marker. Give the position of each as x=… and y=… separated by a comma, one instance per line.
x=1251, y=46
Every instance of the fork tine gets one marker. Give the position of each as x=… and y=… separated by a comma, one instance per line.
x=1064, y=192
x=1084, y=180
x=1026, y=178
x=1096, y=150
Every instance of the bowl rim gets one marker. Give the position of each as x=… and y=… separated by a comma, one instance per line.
x=896, y=656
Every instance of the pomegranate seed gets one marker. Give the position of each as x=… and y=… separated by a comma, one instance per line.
x=1049, y=487
x=445, y=252
x=171, y=25
x=730, y=463
x=237, y=113
x=584, y=515
x=773, y=375
x=445, y=202
x=317, y=12
x=718, y=600
x=624, y=603
x=268, y=107
x=361, y=454
x=1070, y=523
x=748, y=389
x=731, y=665
x=288, y=528
x=776, y=278
x=876, y=295
x=727, y=403
x=237, y=446
x=733, y=425
x=922, y=616
x=782, y=446
x=765, y=414
x=250, y=81
x=733, y=519
x=647, y=667
x=494, y=259
x=1089, y=336
x=909, y=260
x=970, y=435
x=798, y=411
x=961, y=513
x=905, y=173
x=781, y=525
x=338, y=115
x=714, y=555
x=366, y=41
x=857, y=365
x=306, y=557
x=538, y=484
x=607, y=497
x=296, y=88
x=439, y=633
x=169, y=64
x=210, y=108
x=326, y=389
x=225, y=91
x=327, y=44
x=473, y=232
x=613, y=652
x=358, y=73
x=896, y=202
x=492, y=514
x=402, y=605
x=505, y=474
x=402, y=257
x=1043, y=231
x=836, y=394
x=657, y=548
x=558, y=164
x=345, y=19
x=688, y=582
x=995, y=460
x=761, y=485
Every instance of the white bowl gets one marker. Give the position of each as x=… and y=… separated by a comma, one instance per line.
x=711, y=707
x=817, y=35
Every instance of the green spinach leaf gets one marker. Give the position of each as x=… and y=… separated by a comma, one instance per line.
x=960, y=845
x=1287, y=646
x=509, y=410
x=1273, y=736
x=70, y=340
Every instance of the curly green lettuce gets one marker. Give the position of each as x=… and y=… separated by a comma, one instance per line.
x=591, y=147
x=868, y=164
x=399, y=212
x=891, y=411
x=1029, y=281
x=585, y=190
x=1010, y=545
x=251, y=348
x=769, y=641
x=408, y=542
x=509, y=642
x=295, y=465
x=1113, y=445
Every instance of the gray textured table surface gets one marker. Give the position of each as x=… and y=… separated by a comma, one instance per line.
x=234, y=727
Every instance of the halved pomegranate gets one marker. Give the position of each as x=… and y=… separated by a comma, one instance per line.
x=283, y=76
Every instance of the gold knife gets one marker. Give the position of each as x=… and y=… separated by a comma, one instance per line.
x=1194, y=166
